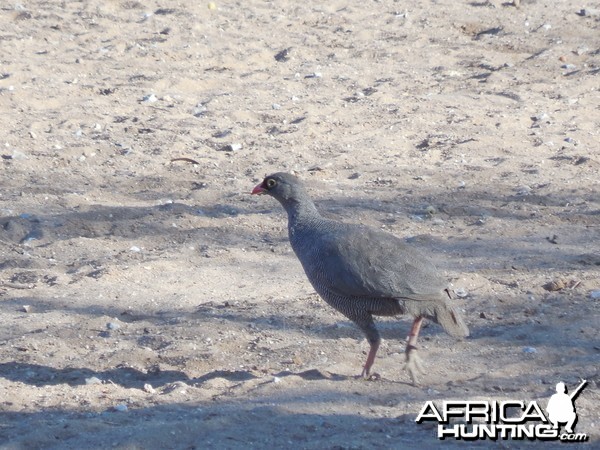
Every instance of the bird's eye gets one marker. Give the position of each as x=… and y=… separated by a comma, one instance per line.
x=271, y=183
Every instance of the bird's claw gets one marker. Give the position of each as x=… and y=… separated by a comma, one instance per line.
x=413, y=365
x=370, y=376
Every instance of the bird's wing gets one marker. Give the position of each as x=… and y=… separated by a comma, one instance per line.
x=360, y=261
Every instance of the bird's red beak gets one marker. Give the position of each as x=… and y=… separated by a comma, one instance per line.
x=258, y=189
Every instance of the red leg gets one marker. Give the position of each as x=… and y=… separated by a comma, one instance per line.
x=413, y=364
x=370, y=360
x=413, y=335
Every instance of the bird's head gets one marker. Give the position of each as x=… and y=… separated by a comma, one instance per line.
x=282, y=186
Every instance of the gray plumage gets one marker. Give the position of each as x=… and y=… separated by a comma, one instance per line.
x=360, y=271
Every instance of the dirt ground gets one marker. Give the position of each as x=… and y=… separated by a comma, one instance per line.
x=147, y=303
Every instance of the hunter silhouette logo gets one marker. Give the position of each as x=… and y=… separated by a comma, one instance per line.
x=509, y=419
x=561, y=406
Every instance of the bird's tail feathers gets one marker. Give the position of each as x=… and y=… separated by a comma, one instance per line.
x=451, y=320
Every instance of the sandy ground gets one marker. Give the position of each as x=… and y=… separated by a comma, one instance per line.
x=150, y=304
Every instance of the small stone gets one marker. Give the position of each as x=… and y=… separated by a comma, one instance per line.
x=112, y=326
x=93, y=380
x=529, y=350
x=231, y=148
x=276, y=106
x=121, y=407
x=283, y=55
x=555, y=285
x=149, y=389
x=540, y=117
x=276, y=380
x=589, y=12
x=26, y=308
x=430, y=210
x=212, y=6
x=314, y=75
x=595, y=295
x=150, y=98
x=570, y=140
x=523, y=190
x=16, y=155
x=461, y=292
x=568, y=66
x=135, y=249
x=199, y=110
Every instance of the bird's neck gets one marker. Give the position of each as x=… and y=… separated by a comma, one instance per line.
x=302, y=211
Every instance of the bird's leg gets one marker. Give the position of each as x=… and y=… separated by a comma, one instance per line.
x=367, y=325
x=370, y=360
x=413, y=362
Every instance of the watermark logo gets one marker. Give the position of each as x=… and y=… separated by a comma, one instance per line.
x=510, y=419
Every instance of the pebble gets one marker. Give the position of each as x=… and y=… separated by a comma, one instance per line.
x=568, y=66
x=16, y=155
x=93, y=380
x=570, y=140
x=589, y=12
x=540, y=117
x=113, y=326
x=212, y=5
x=149, y=389
x=222, y=134
x=135, y=249
x=430, y=210
x=34, y=235
x=523, y=190
x=150, y=98
x=231, y=148
x=461, y=292
x=283, y=55
x=314, y=75
x=26, y=308
x=199, y=110
x=276, y=106
x=121, y=407
x=595, y=295
x=529, y=350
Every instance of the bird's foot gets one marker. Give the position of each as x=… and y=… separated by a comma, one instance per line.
x=366, y=375
x=413, y=364
x=369, y=377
